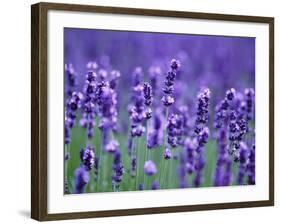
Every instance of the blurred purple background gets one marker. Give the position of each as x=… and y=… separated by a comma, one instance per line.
x=216, y=62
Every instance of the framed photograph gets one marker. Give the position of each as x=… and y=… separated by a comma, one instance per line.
x=139, y=111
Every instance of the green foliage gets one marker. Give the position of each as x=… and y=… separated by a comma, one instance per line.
x=169, y=177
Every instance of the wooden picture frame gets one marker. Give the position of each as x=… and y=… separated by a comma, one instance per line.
x=39, y=110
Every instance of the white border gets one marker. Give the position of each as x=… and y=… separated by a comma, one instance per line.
x=58, y=203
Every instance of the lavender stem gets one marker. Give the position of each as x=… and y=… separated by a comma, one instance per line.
x=146, y=153
x=66, y=156
x=138, y=161
x=161, y=174
x=100, y=162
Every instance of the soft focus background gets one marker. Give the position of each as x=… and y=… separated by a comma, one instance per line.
x=15, y=87
x=217, y=62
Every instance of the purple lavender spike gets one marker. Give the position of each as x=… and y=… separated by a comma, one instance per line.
x=155, y=185
x=115, y=75
x=155, y=135
x=133, y=166
x=227, y=177
x=182, y=173
x=89, y=103
x=243, y=162
x=73, y=104
x=167, y=154
x=250, y=96
x=222, y=155
x=81, y=178
x=107, y=108
x=118, y=169
x=168, y=90
x=71, y=78
x=112, y=146
x=173, y=129
x=87, y=157
x=202, y=110
x=202, y=132
x=202, y=139
x=147, y=90
x=251, y=168
x=154, y=75
x=150, y=168
x=141, y=187
x=190, y=145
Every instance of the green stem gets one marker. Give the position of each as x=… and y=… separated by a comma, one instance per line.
x=66, y=165
x=131, y=158
x=146, y=155
x=100, y=162
x=162, y=175
x=137, y=167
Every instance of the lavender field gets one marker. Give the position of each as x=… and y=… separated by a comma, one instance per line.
x=151, y=111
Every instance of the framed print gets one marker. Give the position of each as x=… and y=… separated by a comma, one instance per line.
x=138, y=111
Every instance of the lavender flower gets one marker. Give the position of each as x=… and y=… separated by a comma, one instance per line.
x=221, y=157
x=155, y=135
x=221, y=114
x=147, y=91
x=66, y=156
x=96, y=166
x=112, y=146
x=66, y=186
x=249, y=94
x=137, y=130
x=92, y=65
x=174, y=129
x=251, y=166
x=202, y=139
x=168, y=90
x=182, y=172
x=137, y=116
x=67, y=134
x=81, y=177
x=154, y=73
x=185, y=122
x=115, y=75
x=155, y=185
x=168, y=100
x=226, y=118
x=118, y=169
x=190, y=145
x=150, y=168
x=137, y=113
x=167, y=154
x=227, y=177
x=71, y=78
x=73, y=104
x=108, y=111
x=102, y=74
x=133, y=166
x=187, y=161
x=243, y=162
x=89, y=105
x=237, y=125
x=230, y=94
x=202, y=110
x=87, y=157
x=141, y=186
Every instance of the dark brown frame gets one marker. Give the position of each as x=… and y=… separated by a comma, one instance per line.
x=39, y=110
